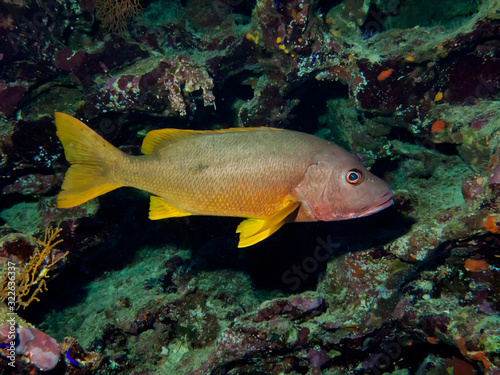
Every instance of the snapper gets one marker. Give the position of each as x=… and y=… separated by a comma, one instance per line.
x=268, y=176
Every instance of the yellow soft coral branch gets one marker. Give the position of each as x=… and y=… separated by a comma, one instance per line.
x=30, y=278
x=114, y=13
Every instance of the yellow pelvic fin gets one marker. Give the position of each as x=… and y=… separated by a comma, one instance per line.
x=159, y=209
x=161, y=137
x=255, y=230
x=89, y=155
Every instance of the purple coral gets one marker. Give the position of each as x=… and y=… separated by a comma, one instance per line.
x=69, y=60
x=495, y=175
x=10, y=96
x=166, y=88
x=41, y=349
x=317, y=358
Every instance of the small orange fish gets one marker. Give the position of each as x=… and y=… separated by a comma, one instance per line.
x=490, y=225
x=437, y=126
x=269, y=176
x=475, y=265
x=385, y=74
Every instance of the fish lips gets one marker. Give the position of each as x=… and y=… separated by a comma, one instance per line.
x=380, y=204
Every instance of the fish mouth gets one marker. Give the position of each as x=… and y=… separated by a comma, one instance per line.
x=380, y=204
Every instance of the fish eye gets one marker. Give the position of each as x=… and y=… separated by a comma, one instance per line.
x=354, y=176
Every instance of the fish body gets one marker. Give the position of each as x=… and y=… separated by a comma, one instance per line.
x=269, y=176
x=233, y=173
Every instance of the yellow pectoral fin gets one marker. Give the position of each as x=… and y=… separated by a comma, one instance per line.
x=255, y=230
x=159, y=209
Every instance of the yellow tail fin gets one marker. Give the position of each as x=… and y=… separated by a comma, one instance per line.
x=90, y=156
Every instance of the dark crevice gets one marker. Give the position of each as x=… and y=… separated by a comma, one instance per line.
x=313, y=97
x=325, y=6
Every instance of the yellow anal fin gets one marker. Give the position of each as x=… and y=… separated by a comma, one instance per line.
x=255, y=230
x=159, y=138
x=159, y=209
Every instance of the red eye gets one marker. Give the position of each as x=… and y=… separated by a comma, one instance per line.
x=354, y=176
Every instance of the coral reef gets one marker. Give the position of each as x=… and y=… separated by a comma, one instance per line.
x=410, y=87
x=27, y=280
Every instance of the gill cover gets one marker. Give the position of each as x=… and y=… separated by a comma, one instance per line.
x=312, y=189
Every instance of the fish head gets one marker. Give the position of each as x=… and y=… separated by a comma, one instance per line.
x=336, y=186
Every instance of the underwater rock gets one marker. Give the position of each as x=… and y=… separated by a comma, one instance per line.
x=76, y=357
x=68, y=60
x=17, y=246
x=162, y=89
x=10, y=96
x=267, y=106
x=23, y=152
x=33, y=184
x=474, y=189
x=296, y=308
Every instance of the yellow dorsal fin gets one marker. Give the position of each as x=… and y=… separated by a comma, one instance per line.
x=159, y=138
x=255, y=230
x=159, y=209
